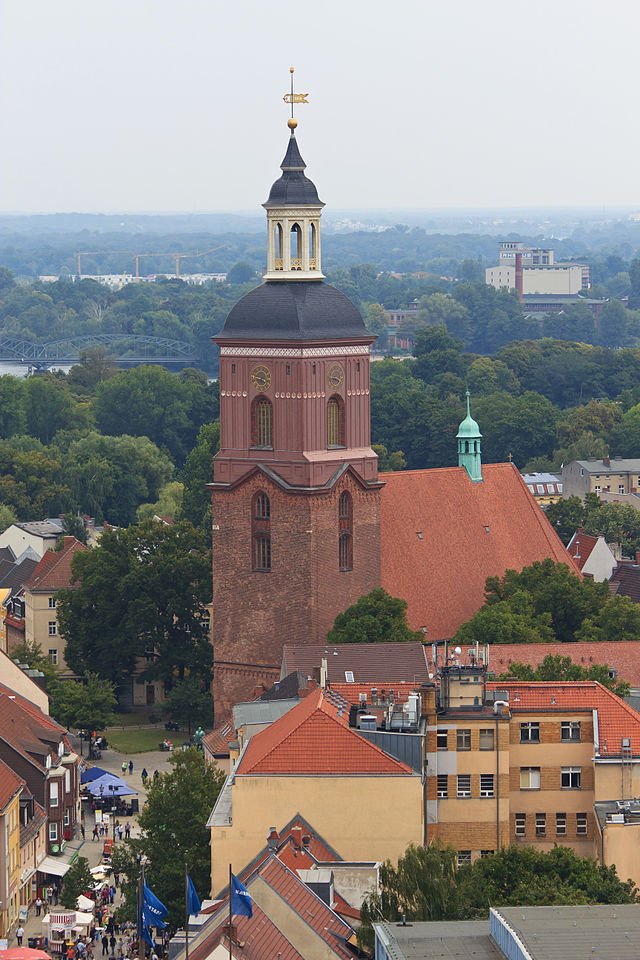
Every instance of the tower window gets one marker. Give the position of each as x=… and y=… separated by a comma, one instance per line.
x=278, y=244
x=233, y=368
x=335, y=422
x=296, y=247
x=345, y=532
x=262, y=423
x=261, y=532
x=312, y=242
x=288, y=369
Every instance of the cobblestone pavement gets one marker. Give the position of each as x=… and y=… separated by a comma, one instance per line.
x=92, y=850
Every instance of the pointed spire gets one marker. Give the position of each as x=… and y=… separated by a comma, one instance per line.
x=469, y=450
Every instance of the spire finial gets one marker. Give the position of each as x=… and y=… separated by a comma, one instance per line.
x=294, y=98
x=468, y=396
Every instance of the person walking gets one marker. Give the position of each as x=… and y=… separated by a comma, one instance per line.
x=105, y=945
x=130, y=767
x=156, y=774
x=19, y=935
x=127, y=831
x=38, y=906
x=145, y=776
x=123, y=766
x=94, y=835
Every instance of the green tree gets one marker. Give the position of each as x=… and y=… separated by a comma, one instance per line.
x=524, y=426
x=169, y=841
x=96, y=364
x=512, y=621
x=563, y=668
x=168, y=504
x=189, y=705
x=439, y=309
x=87, y=704
x=241, y=272
x=374, y=618
x=51, y=407
x=78, y=880
x=141, y=592
x=377, y=322
x=619, y=619
x=566, y=516
x=389, y=462
x=196, y=474
x=8, y=516
x=31, y=653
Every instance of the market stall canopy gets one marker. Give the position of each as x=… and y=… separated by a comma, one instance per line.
x=78, y=919
x=53, y=866
x=85, y=904
x=23, y=953
x=93, y=773
x=110, y=786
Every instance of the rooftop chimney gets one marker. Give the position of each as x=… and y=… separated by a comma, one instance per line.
x=606, y=461
x=273, y=839
x=296, y=836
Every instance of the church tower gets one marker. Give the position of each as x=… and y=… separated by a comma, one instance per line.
x=469, y=452
x=295, y=497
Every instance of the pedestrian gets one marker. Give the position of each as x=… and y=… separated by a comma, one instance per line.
x=112, y=943
x=116, y=878
x=49, y=895
x=130, y=767
x=80, y=948
x=105, y=945
x=120, y=833
x=124, y=766
x=38, y=906
x=145, y=776
x=19, y=935
x=94, y=835
x=82, y=829
x=155, y=775
x=127, y=831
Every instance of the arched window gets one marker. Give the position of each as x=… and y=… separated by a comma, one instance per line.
x=312, y=243
x=261, y=533
x=278, y=245
x=345, y=532
x=262, y=423
x=296, y=247
x=335, y=422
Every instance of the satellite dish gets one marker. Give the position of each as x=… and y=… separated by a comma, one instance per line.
x=430, y=676
x=457, y=651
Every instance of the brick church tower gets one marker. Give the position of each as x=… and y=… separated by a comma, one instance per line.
x=295, y=497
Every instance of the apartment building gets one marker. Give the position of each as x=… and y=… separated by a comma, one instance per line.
x=617, y=475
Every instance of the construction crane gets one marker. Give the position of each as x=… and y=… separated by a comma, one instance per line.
x=84, y=253
x=177, y=256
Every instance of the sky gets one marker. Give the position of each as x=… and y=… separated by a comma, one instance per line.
x=176, y=105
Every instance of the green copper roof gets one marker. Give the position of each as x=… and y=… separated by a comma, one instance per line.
x=469, y=428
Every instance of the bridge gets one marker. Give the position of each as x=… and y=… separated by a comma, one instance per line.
x=126, y=350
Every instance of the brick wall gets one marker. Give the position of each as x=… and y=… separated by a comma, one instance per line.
x=298, y=601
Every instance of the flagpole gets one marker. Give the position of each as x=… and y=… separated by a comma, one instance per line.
x=186, y=912
x=230, y=915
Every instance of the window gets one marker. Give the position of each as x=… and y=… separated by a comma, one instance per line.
x=312, y=242
x=296, y=247
x=67, y=781
x=464, y=785
x=53, y=628
x=53, y=656
x=621, y=488
x=561, y=824
x=261, y=532
x=53, y=831
x=570, y=731
x=486, y=853
x=570, y=778
x=529, y=733
x=597, y=488
x=443, y=739
x=541, y=824
x=521, y=824
x=53, y=794
x=335, y=422
x=529, y=778
x=443, y=785
x=486, y=784
x=52, y=603
x=278, y=239
x=345, y=532
x=581, y=824
x=463, y=740
x=464, y=857
x=67, y=817
x=262, y=423
x=486, y=739
x=349, y=676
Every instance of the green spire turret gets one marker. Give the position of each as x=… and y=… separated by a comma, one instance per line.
x=469, y=438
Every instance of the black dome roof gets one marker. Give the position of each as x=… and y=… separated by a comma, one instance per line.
x=293, y=188
x=294, y=310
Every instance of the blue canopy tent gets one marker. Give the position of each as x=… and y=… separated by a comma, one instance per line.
x=88, y=776
x=110, y=786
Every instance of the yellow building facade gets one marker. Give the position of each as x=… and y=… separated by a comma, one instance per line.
x=10, y=790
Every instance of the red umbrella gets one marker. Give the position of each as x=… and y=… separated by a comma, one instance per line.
x=23, y=953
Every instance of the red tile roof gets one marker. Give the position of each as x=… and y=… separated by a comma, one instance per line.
x=30, y=734
x=616, y=719
x=443, y=535
x=580, y=547
x=289, y=848
x=259, y=936
x=621, y=655
x=314, y=737
x=54, y=570
x=10, y=784
x=217, y=741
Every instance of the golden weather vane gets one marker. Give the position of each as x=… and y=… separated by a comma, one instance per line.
x=294, y=98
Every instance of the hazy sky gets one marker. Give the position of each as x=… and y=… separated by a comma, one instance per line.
x=176, y=105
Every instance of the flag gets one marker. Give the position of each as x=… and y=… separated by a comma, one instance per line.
x=153, y=910
x=193, y=901
x=241, y=905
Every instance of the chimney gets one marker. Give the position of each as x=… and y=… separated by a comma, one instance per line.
x=606, y=461
x=428, y=699
x=296, y=836
x=273, y=839
x=519, y=278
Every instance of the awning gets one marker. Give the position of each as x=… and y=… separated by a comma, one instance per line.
x=55, y=867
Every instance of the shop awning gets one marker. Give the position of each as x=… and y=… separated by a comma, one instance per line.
x=54, y=866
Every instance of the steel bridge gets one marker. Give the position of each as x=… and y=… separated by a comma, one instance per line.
x=126, y=350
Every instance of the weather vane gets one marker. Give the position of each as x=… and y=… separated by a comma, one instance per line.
x=294, y=98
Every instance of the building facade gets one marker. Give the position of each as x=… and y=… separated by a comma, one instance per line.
x=616, y=475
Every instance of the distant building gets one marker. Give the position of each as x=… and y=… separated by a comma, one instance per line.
x=617, y=475
x=593, y=555
x=40, y=535
x=545, y=488
x=533, y=270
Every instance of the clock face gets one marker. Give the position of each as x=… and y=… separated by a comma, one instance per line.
x=261, y=378
x=336, y=376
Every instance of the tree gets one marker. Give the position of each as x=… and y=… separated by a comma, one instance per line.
x=31, y=653
x=619, y=619
x=142, y=592
x=566, y=516
x=168, y=504
x=50, y=407
x=563, y=668
x=377, y=322
x=173, y=833
x=375, y=618
x=512, y=621
x=389, y=462
x=8, y=516
x=189, y=705
x=196, y=474
x=78, y=880
x=241, y=272
x=87, y=704
x=96, y=364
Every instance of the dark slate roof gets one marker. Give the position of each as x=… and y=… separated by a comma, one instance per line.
x=293, y=188
x=289, y=688
x=16, y=574
x=625, y=581
x=294, y=310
